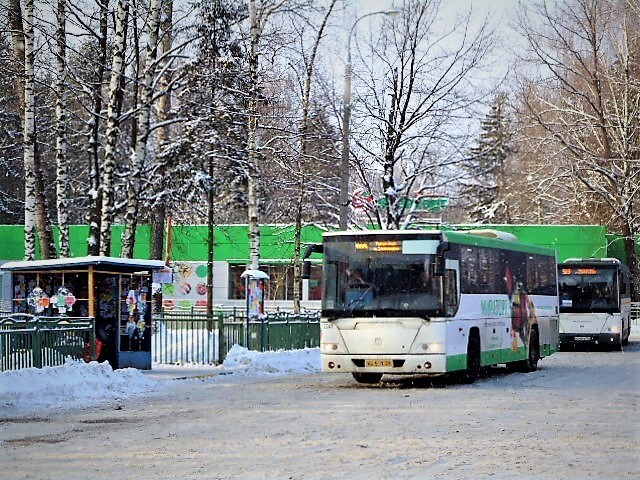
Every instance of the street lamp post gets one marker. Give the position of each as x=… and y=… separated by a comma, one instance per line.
x=346, y=119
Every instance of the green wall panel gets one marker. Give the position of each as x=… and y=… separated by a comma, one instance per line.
x=189, y=242
x=12, y=241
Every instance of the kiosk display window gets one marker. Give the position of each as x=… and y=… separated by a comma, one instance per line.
x=135, y=314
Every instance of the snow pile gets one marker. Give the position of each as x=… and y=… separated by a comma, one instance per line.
x=77, y=384
x=249, y=362
x=74, y=384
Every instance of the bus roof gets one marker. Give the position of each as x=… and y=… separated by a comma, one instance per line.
x=592, y=260
x=467, y=237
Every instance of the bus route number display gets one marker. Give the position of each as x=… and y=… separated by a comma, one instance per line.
x=379, y=246
x=579, y=271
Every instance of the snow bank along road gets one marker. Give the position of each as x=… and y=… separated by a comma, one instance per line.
x=576, y=418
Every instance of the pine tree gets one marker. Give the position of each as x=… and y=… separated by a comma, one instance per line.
x=11, y=170
x=212, y=163
x=484, y=187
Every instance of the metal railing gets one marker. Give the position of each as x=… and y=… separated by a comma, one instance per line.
x=192, y=337
x=33, y=341
x=178, y=336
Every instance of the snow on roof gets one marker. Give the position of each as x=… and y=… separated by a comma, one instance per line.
x=82, y=261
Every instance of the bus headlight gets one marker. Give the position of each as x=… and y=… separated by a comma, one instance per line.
x=435, y=347
x=614, y=329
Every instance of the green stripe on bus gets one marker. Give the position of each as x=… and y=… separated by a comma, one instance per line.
x=492, y=357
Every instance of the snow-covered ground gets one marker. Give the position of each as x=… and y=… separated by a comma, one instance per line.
x=275, y=416
x=35, y=391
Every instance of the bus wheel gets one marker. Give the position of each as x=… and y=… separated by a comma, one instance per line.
x=473, y=359
x=367, y=377
x=533, y=355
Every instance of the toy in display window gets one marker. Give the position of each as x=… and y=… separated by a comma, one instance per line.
x=63, y=301
x=37, y=300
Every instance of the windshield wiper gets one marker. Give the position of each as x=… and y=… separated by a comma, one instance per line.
x=356, y=301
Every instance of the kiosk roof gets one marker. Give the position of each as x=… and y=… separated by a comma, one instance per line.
x=76, y=262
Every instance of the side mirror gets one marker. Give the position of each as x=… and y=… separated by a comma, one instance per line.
x=306, y=265
x=439, y=263
x=306, y=270
x=313, y=248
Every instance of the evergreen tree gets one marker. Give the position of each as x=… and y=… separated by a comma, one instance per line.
x=484, y=186
x=209, y=155
x=11, y=168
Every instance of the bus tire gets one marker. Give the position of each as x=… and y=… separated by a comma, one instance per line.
x=472, y=372
x=365, y=377
x=533, y=353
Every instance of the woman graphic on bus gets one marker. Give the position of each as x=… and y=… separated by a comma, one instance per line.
x=522, y=309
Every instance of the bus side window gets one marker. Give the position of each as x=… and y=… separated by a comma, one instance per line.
x=450, y=292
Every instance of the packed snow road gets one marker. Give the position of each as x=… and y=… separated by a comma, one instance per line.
x=577, y=417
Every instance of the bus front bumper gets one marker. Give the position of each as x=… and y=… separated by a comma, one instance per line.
x=389, y=364
x=602, y=339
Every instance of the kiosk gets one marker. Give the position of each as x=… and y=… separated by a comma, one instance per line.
x=116, y=292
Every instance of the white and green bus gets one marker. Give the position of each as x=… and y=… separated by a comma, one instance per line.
x=595, y=302
x=435, y=302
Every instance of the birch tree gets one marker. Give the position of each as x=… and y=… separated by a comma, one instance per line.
x=138, y=155
x=62, y=168
x=112, y=129
x=256, y=20
x=37, y=224
x=29, y=134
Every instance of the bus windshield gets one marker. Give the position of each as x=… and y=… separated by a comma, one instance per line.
x=588, y=289
x=365, y=279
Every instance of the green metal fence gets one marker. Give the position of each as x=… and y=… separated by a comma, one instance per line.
x=178, y=336
x=192, y=337
x=32, y=341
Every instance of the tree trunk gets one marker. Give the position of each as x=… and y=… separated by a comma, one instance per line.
x=252, y=133
x=304, y=131
x=36, y=218
x=29, y=136
x=18, y=44
x=144, y=119
x=164, y=107
x=43, y=223
x=62, y=167
x=94, y=214
x=210, y=242
x=112, y=132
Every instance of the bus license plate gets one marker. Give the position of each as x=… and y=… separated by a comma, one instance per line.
x=378, y=363
x=582, y=339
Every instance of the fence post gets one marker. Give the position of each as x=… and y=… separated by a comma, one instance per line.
x=36, y=347
x=221, y=337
